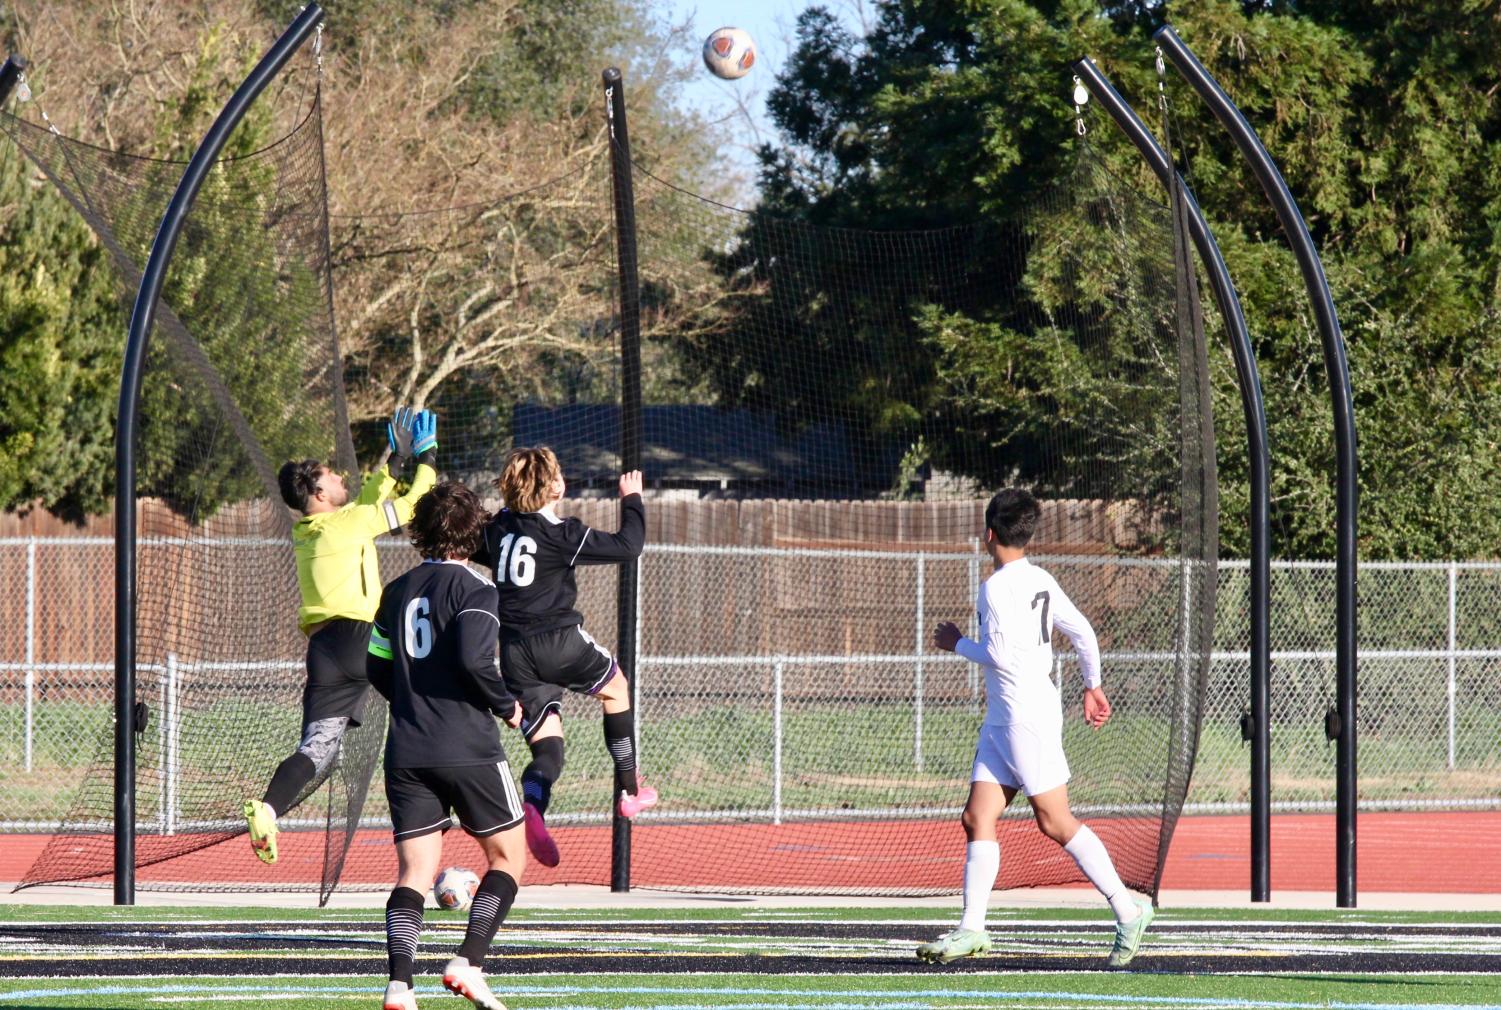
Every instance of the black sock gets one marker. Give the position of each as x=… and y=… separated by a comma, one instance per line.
x=491, y=904
x=403, y=927
x=290, y=779
x=546, y=766
x=620, y=738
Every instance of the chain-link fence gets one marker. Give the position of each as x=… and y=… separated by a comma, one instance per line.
x=829, y=704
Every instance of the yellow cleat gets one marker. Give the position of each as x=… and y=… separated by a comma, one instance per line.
x=262, y=824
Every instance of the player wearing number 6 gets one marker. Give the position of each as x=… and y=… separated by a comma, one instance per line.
x=339, y=581
x=1021, y=740
x=432, y=655
x=544, y=649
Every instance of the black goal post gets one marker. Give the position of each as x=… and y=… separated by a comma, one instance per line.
x=630, y=422
x=10, y=74
x=1338, y=371
x=1258, y=462
x=131, y=374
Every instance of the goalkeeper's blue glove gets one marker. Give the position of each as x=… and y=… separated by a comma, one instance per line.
x=424, y=432
x=399, y=433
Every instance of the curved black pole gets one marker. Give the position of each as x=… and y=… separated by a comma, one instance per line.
x=630, y=425
x=9, y=74
x=131, y=375
x=1258, y=463
x=1338, y=370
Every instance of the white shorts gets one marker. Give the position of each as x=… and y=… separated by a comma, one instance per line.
x=1019, y=755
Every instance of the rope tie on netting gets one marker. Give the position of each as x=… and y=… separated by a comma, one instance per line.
x=1177, y=152
x=23, y=94
x=1081, y=98
x=1161, y=81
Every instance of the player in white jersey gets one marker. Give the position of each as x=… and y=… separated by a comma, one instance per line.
x=1021, y=740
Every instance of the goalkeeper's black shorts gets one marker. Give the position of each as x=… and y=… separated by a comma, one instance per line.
x=336, y=681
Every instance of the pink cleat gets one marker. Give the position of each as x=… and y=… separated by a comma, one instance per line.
x=544, y=850
x=645, y=798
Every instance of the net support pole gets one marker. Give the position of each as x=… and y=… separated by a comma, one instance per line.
x=1254, y=410
x=630, y=424
x=1338, y=371
x=131, y=375
x=10, y=73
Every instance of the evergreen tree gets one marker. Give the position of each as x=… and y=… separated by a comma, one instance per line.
x=1382, y=117
x=61, y=330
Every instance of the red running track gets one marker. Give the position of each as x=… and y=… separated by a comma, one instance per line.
x=1398, y=852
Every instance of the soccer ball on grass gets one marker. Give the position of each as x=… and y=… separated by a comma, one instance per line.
x=455, y=888
x=729, y=53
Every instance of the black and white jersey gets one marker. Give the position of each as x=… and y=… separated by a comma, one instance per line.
x=533, y=554
x=432, y=655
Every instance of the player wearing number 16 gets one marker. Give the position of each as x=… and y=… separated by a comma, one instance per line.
x=544, y=648
x=339, y=580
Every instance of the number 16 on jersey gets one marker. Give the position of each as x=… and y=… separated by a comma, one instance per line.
x=517, y=566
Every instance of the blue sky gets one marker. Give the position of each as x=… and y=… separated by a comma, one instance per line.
x=771, y=24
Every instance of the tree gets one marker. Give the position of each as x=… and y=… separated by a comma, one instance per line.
x=507, y=294
x=457, y=277
x=1384, y=121
x=58, y=363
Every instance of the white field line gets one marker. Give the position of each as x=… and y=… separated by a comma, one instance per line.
x=816, y=999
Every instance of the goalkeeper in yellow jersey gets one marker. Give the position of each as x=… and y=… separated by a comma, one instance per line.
x=339, y=578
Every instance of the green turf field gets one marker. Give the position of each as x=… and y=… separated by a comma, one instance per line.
x=820, y=959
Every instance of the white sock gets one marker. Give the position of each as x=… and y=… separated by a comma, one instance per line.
x=1089, y=852
x=982, y=862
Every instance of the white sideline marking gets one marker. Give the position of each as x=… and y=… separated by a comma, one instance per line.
x=1072, y=1001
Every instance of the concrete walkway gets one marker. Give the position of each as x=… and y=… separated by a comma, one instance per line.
x=559, y=896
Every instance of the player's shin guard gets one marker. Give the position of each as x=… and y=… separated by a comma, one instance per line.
x=288, y=781
x=403, y=927
x=492, y=902
x=620, y=738
x=1089, y=852
x=545, y=767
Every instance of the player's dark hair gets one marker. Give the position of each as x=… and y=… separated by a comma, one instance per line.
x=1012, y=516
x=447, y=522
x=525, y=480
x=299, y=482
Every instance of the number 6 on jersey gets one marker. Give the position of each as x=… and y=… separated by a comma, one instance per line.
x=419, y=630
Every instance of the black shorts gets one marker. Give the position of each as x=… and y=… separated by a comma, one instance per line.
x=336, y=682
x=484, y=798
x=539, y=668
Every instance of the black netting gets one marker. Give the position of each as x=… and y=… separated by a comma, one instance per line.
x=827, y=411
x=243, y=372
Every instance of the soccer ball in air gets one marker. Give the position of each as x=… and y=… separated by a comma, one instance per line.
x=729, y=53
x=455, y=888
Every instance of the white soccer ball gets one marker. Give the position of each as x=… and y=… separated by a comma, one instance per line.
x=729, y=53
x=454, y=889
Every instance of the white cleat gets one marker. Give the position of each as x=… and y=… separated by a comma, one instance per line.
x=399, y=996
x=466, y=980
